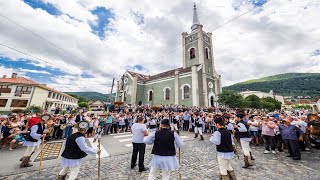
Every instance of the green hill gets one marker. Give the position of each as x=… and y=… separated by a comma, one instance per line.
x=93, y=95
x=289, y=84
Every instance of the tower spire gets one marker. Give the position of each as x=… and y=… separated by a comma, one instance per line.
x=196, y=21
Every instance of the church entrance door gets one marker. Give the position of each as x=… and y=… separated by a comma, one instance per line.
x=211, y=101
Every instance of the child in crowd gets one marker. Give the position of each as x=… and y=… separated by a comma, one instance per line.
x=17, y=137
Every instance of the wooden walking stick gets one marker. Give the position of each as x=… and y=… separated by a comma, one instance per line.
x=99, y=162
x=179, y=163
x=41, y=154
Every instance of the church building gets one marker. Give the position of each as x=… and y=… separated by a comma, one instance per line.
x=195, y=84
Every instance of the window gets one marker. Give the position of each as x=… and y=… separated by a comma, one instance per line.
x=150, y=95
x=19, y=103
x=124, y=96
x=49, y=95
x=207, y=53
x=185, y=91
x=192, y=53
x=5, y=89
x=3, y=102
x=23, y=90
x=166, y=91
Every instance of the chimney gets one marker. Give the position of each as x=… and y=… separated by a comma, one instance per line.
x=4, y=76
x=14, y=75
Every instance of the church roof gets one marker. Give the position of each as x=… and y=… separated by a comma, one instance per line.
x=165, y=74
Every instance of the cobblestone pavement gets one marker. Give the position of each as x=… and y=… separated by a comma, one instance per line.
x=198, y=161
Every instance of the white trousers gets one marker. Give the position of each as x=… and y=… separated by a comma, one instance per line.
x=224, y=165
x=198, y=130
x=30, y=149
x=154, y=171
x=73, y=172
x=174, y=127
x=245, y=147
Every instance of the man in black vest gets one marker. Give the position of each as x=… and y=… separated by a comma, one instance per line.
x=198, y=125
x=222, y=138
x=164, y=151
x=242, y=133
x=75, y=149
x=33, y=140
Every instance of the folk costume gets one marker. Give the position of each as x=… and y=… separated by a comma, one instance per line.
x=33, y=140
x=164, y=151
x=152, y=125
x=242, y=133
x=198, y=125
x=174, y=123
x=75, y=149
x=222, y=138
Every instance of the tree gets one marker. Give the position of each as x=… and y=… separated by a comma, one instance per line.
x=231, y=99
x=277, y=104
x=83, y=104
x=253, y=101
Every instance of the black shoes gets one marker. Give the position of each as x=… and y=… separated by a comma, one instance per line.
x=133, y=166
x=296, y=158
x=144, y=169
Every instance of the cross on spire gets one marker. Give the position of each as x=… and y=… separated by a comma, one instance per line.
x=196, y=21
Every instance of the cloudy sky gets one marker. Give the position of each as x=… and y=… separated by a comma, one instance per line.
x=80, y=45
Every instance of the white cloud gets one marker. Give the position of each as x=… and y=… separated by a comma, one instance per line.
x=276, y=39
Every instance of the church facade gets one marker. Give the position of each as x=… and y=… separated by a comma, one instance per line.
x=195, y=84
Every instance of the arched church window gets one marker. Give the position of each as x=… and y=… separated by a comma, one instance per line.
x=150, y=95
x=185, y=91
x=192, y=53
x=207, y=53
x=167, y=94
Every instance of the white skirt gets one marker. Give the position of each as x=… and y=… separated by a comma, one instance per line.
x=32, y=144
x=70, y=162
x=167, y=163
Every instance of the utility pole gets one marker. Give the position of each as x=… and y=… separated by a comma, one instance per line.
x=111, y=89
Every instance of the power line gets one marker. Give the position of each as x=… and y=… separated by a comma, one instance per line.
x=17, y=50
x=27, y=54
x=45, y=40
x=218, y=27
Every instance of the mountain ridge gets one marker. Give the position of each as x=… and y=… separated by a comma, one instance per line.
x=287, y=84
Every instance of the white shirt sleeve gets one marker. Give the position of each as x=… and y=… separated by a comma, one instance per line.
x=81, y=142
x=149, y=139
x=178, y=140
x=34, y=133
x=242, y=127
x=216, y=138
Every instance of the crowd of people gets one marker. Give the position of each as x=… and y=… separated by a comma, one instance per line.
x=277, y=131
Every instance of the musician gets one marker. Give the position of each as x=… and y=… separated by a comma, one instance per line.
x=174, y=122
x=152, y=124
x=76, y=148
x=198, y=125
x=33, y=140
x=242, y=133
x=164, y=151
x=222, y=138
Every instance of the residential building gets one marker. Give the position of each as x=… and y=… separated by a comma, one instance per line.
x=195, y=84
x=97, y=105
x=21, y=93
x=263, y=95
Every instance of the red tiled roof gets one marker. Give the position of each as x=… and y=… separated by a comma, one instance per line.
x=160, y=75
x=18, y=80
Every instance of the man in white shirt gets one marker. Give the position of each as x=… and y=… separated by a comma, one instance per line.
x=139, y=131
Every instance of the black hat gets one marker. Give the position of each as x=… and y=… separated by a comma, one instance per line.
x=165, y=122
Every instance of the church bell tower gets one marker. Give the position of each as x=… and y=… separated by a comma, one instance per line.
x=198, y=50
